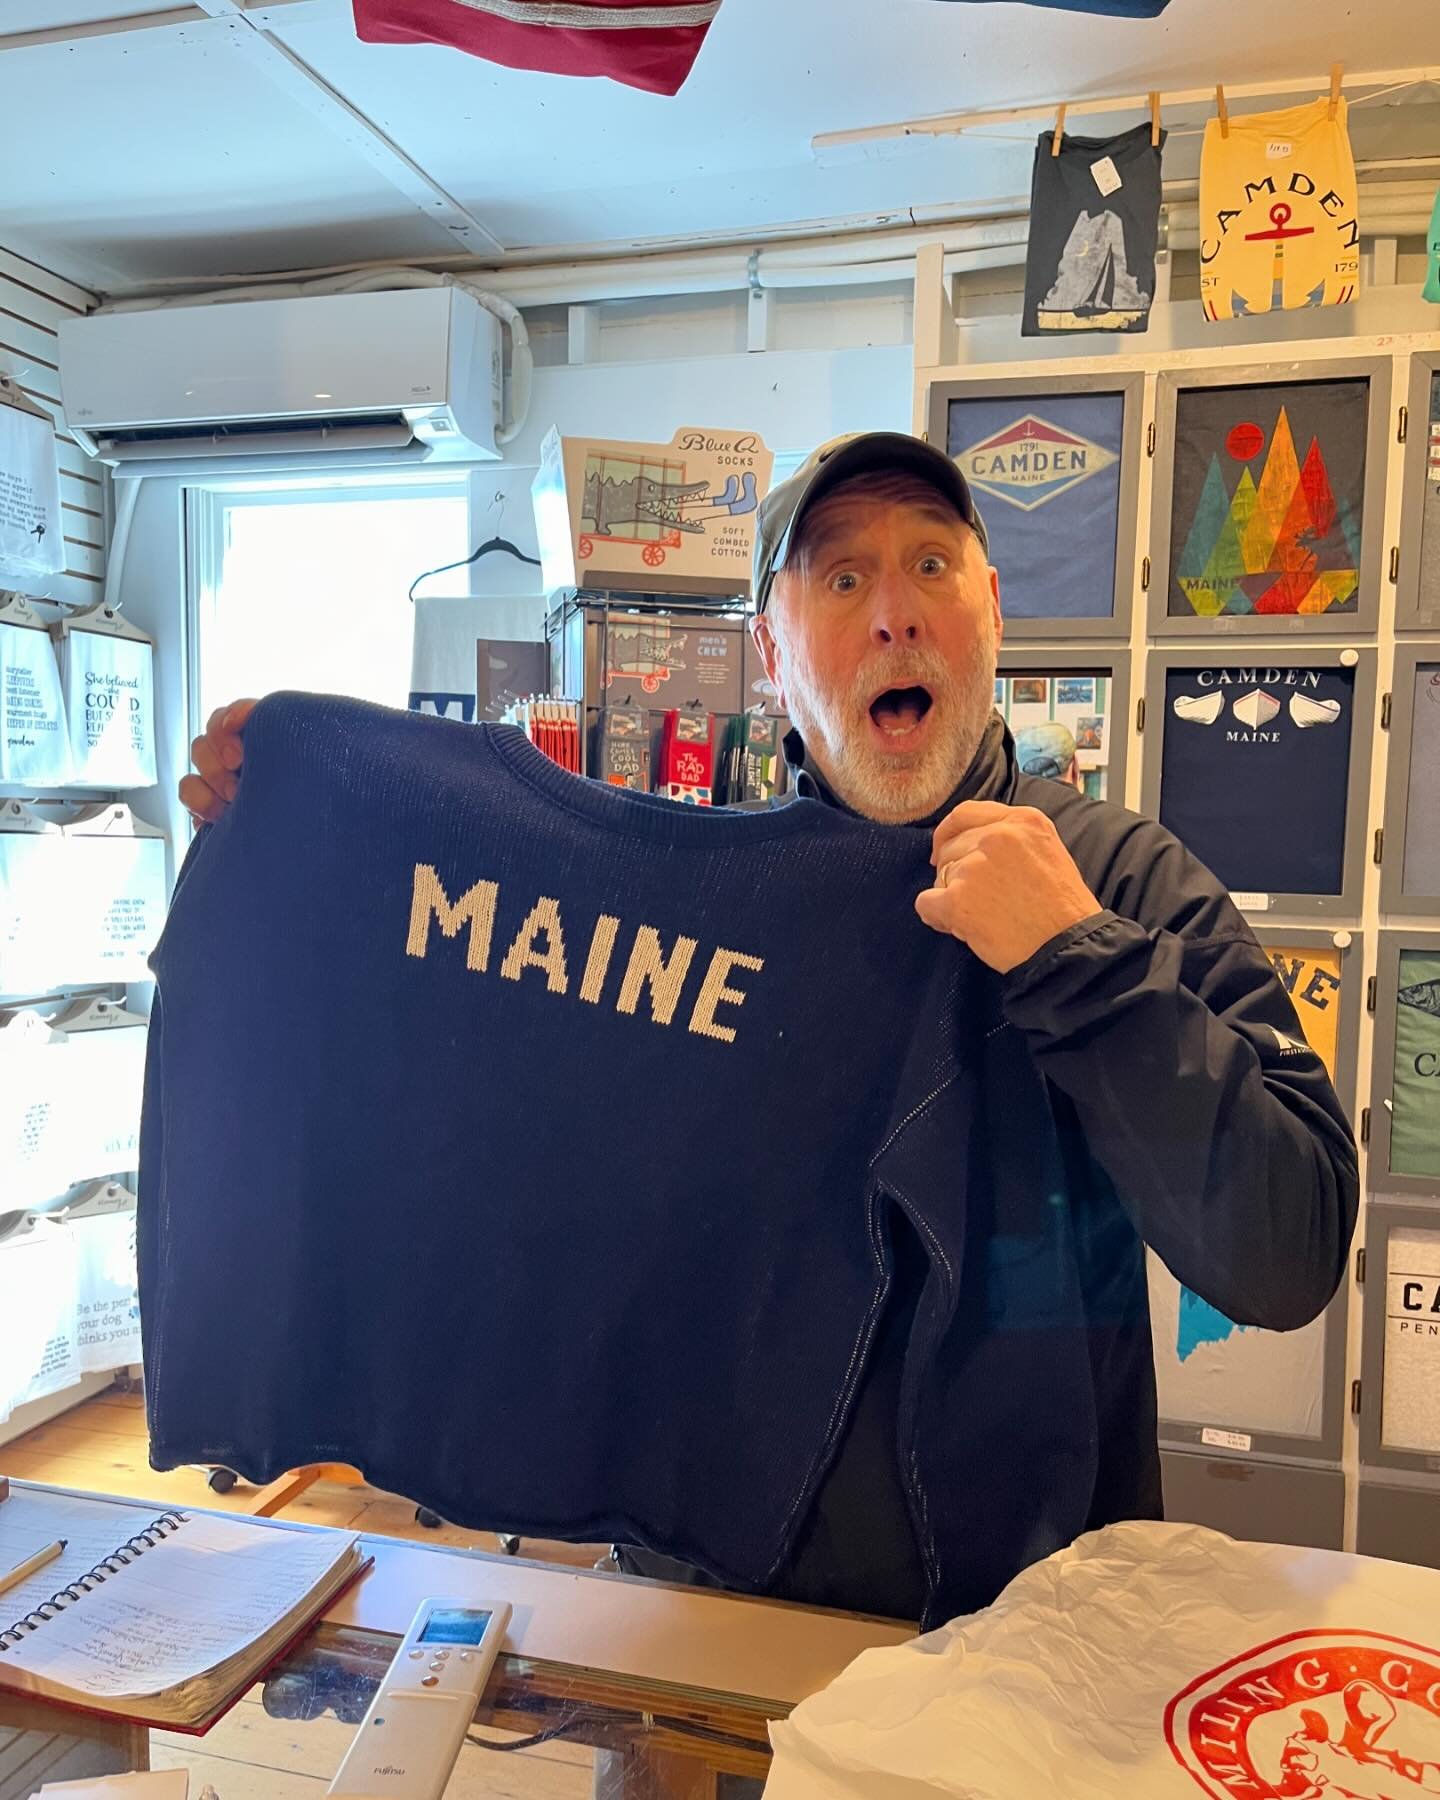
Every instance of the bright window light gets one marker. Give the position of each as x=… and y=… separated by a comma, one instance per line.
x=305, y=586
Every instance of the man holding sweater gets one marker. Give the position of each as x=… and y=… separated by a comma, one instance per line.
x=1149, y=1085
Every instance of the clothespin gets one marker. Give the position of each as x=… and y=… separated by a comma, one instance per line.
x=1058, y=136
x=1155, y=120
x=1224, y=112
x=1337, y=75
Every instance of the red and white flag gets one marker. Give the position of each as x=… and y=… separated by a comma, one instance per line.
x=651, y=46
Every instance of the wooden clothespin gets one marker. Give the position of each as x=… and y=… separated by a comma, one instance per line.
x=1155, y=120
x=1337, y=75
x=1058, y=135
x=1223, y=111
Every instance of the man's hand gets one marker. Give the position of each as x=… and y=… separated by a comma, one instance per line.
x=1005, y=884
x=217, y=757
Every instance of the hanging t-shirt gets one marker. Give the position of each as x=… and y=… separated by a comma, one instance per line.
x=1410, y=1418
x=31, y=539
x=105, y=1079
x=1432, y=259
x=35, y=1116
x=1255, y=773
x=107, y=1306
x=1268, y=499
x=1094, y=226
x=1415, y=1120
x=38, y=1350
x=1422, y=814
x=34, y=746
x=110, y=703
x=1047, y=472
x=1312, y=980
x=77, y=908
x=570, y=996
x=1279, y=212
x=651, y=47
x=1430, y=513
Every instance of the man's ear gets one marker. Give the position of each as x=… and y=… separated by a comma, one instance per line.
x=763, y=631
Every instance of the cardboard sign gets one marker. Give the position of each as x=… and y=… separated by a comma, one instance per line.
x=674, y=518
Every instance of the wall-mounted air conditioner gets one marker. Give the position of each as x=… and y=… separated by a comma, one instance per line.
x=411, y=375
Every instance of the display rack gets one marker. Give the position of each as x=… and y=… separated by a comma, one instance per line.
x=1344, y=1485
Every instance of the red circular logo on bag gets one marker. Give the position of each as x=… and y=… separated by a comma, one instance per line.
x=1318, y=1715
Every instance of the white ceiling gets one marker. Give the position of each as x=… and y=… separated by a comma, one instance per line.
x=192, y=149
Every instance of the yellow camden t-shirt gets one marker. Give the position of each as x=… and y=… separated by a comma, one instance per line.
x=1279, y=213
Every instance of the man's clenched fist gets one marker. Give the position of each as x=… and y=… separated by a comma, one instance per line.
x=1005, y=884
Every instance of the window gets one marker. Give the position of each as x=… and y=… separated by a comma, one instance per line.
x=305, y=585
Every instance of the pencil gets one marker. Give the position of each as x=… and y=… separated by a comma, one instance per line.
x=31, y=1565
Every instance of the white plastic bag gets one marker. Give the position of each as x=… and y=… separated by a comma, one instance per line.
x=110, y=702
x=34, y=747
x=31, y=539
x=1146, y=1662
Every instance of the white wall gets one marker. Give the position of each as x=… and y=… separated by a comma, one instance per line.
x=32, y=304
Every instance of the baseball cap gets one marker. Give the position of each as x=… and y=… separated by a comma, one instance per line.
x=1045, y=750
x=858, y=453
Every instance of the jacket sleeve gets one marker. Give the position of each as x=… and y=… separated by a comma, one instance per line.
x=1197, y=1095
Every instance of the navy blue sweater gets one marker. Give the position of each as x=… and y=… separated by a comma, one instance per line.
x=522, y=1140
x=674, y=1277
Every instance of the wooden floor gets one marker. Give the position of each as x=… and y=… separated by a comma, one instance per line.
x=101, y=1447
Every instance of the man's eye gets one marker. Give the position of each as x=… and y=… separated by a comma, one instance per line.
x=846, y=583
x=932, y=565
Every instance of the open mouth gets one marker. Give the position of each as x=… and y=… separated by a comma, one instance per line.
x=899, y=712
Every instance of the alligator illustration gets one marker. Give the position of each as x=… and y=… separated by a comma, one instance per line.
x=639, y=500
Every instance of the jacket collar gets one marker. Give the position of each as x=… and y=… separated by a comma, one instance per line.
x=991, y=775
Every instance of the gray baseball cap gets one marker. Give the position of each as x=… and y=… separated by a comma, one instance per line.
x=859, y=453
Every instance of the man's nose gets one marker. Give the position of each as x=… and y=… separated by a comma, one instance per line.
x=896, y=614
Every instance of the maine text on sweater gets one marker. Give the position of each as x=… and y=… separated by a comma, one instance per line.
x=660, y=974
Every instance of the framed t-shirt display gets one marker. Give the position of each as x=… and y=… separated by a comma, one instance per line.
x=1410, y=877
x=1269, y=499
x=1069, y=711
x=1417, y=591
x=1405, y=1096
x=1260, y=766
x=1053, y=463
x=1226, y=1386
x=1400, y=1410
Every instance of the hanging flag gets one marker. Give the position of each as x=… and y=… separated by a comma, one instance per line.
x=1094, y=226
x=650, y=46
x=1432, y=259
x=1279, y=212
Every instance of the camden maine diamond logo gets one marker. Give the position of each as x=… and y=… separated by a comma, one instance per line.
x=1032, y=461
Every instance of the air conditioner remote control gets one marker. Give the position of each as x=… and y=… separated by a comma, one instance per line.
x=408, y=1741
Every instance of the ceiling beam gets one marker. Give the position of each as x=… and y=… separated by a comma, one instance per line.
x=953, y=124
x=96, y=28
x=248, y=30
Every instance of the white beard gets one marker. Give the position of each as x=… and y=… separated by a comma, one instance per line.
x=895, y=790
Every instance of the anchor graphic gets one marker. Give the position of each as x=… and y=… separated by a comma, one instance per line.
x=1279, y=234
x=1280, y=217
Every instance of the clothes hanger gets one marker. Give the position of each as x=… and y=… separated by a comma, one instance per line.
x=492, y=546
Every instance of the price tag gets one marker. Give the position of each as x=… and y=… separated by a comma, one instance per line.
x=1107, y=176
x=1225, y=1440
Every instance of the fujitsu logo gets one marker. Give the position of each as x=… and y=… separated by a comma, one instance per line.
x=1317, y=1715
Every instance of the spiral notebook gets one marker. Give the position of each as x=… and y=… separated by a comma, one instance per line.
x=166, y=1627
